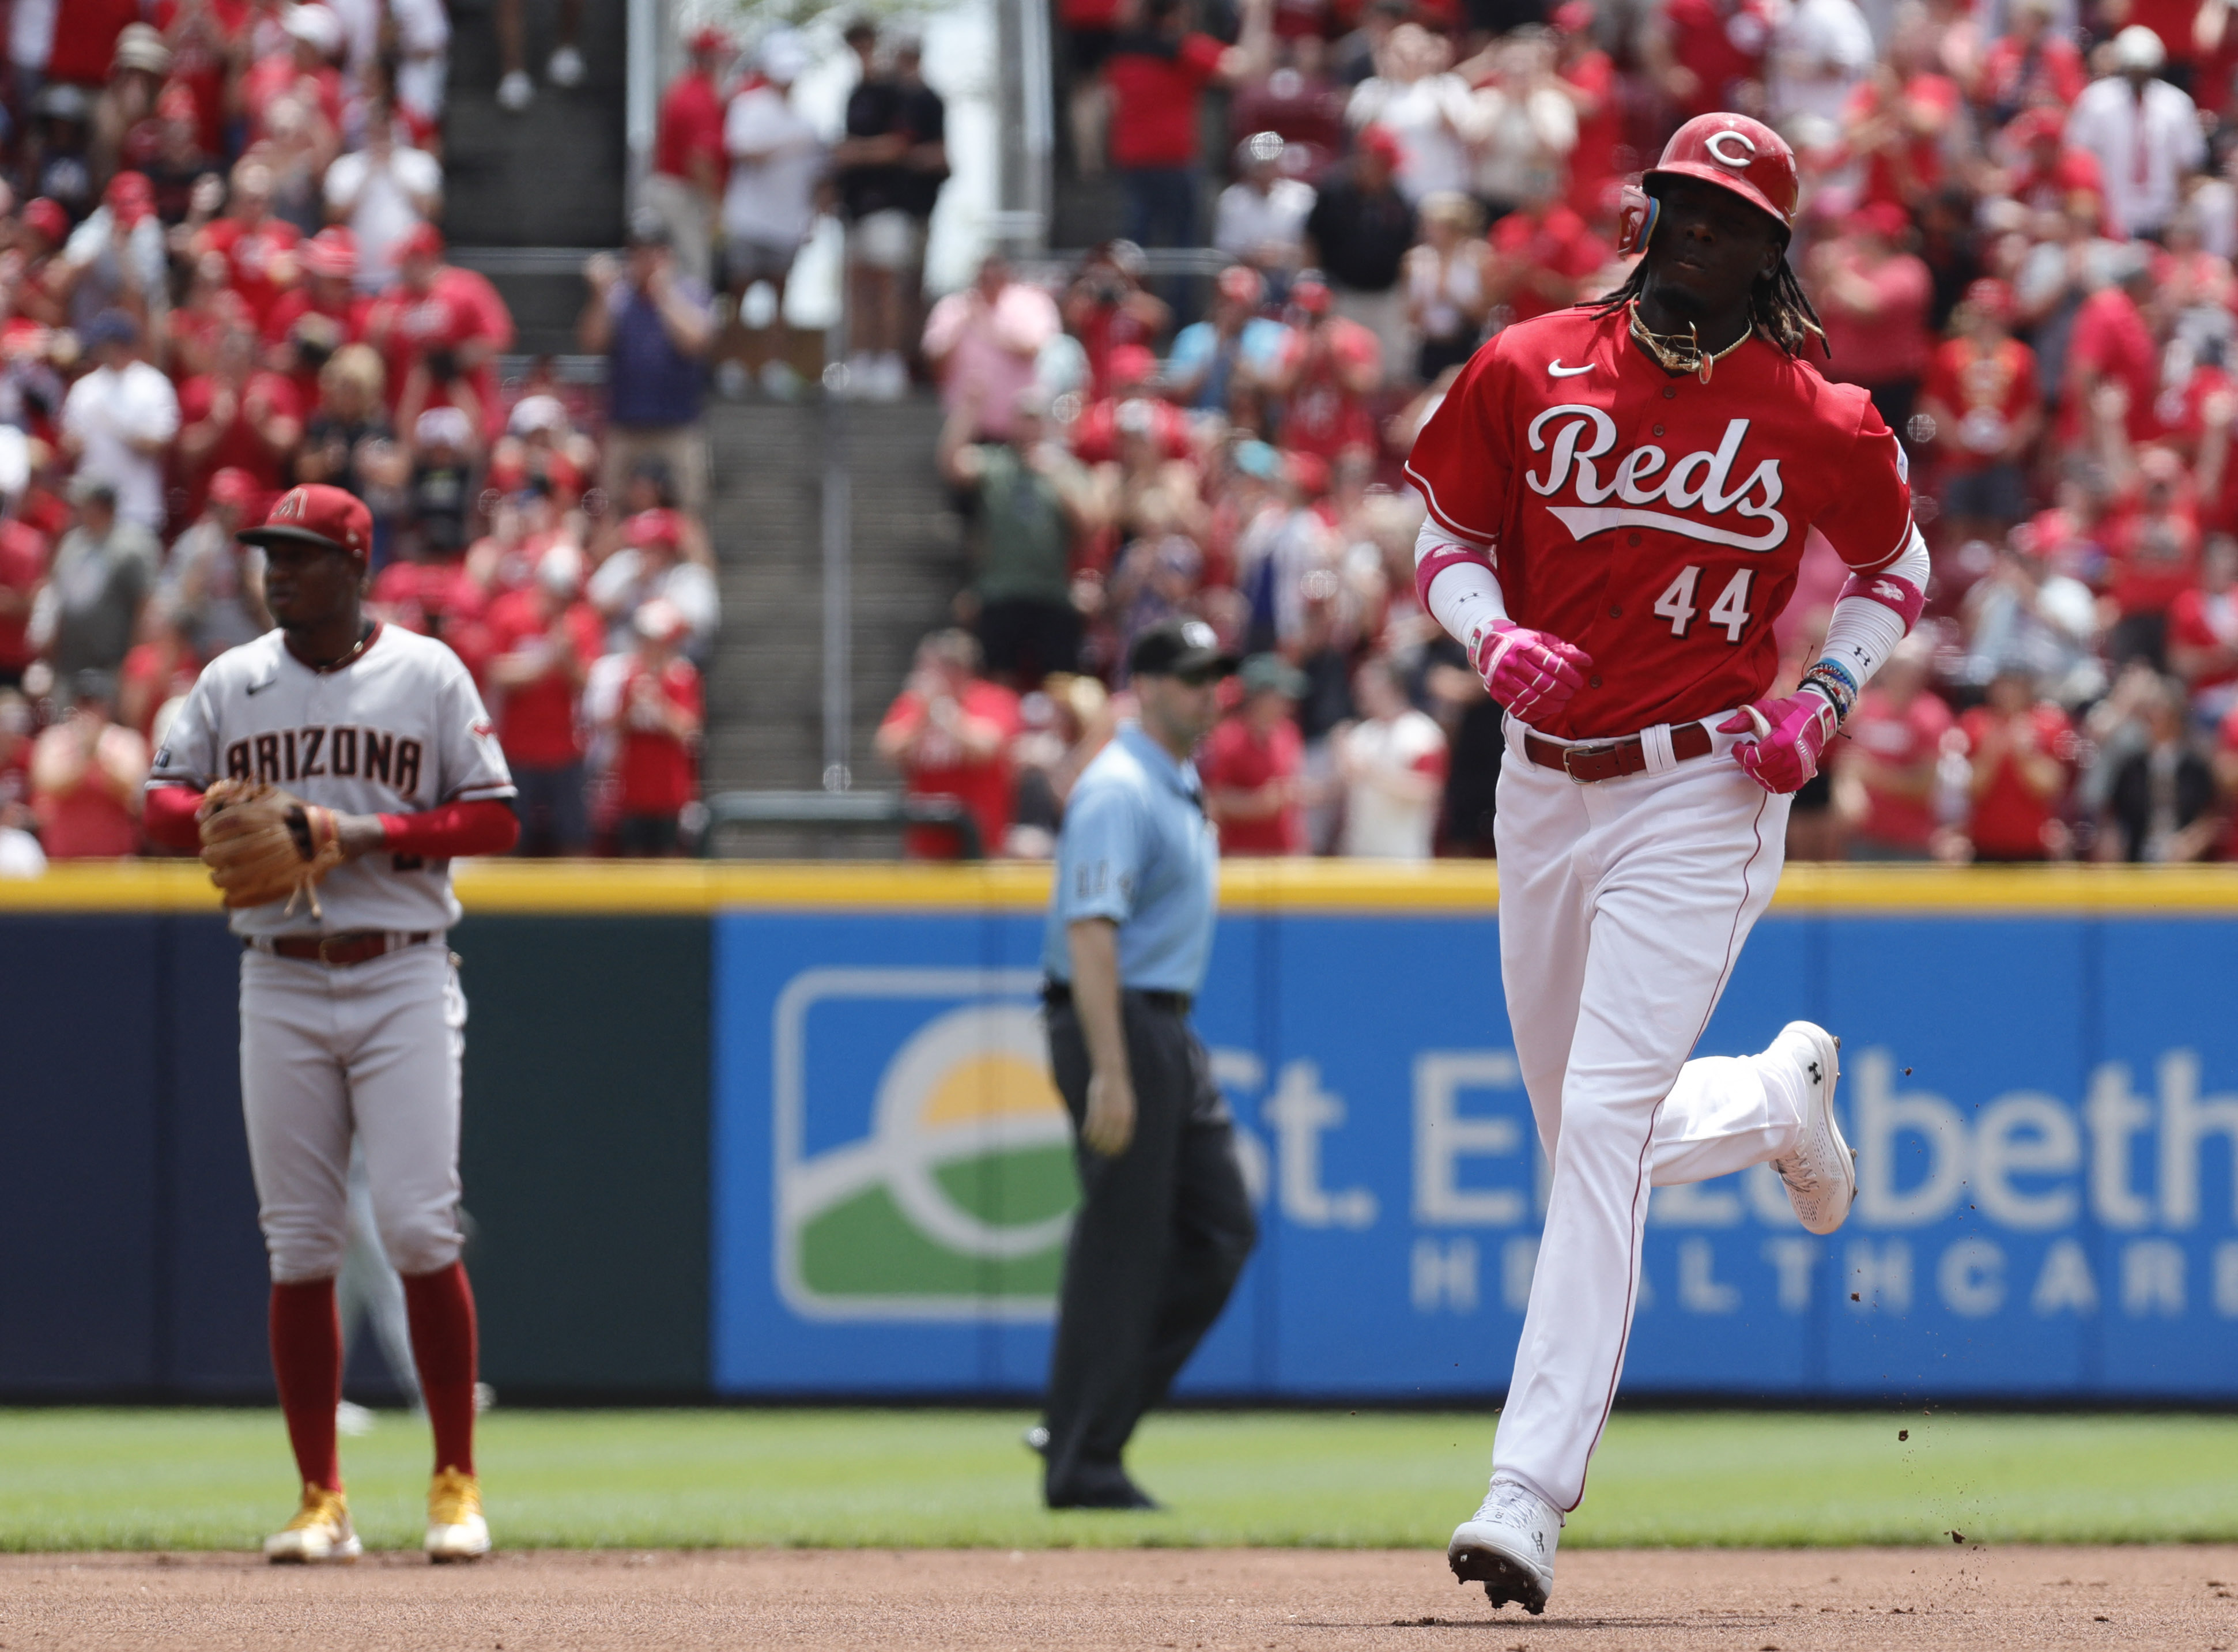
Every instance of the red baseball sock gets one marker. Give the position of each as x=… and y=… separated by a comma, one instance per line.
x=306, y=1358
x=441, y=1306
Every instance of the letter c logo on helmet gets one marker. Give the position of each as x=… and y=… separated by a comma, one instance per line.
x=1721, y=145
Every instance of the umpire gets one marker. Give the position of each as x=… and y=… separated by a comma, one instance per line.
x=1164, y=1224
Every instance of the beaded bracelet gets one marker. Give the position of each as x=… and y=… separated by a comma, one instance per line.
x=1837, y=684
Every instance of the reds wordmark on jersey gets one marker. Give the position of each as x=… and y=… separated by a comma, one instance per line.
x=1656, y=522
x=399, y=730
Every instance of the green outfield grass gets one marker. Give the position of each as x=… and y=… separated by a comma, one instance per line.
x=179, y=1479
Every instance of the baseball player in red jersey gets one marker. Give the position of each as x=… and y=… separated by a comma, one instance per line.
x=352, y=1022
x=1619, y=494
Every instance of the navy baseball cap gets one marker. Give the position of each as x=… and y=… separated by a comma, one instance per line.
x=1189, y=649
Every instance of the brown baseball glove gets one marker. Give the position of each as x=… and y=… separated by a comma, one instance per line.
x=262, y=844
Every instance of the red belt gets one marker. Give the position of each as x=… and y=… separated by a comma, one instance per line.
x=338, y=951
x=1610, y=760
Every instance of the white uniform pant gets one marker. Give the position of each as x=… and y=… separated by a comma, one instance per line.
x=372, y=1050
x=1623, y=907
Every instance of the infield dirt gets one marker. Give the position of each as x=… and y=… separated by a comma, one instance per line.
x=1732, y=1601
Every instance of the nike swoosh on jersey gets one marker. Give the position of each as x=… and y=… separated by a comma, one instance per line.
x=1556, y=370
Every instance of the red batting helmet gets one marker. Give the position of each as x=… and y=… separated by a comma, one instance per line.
x=1730, y=151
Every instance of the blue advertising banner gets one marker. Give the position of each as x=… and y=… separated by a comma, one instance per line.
x=2045, y=1110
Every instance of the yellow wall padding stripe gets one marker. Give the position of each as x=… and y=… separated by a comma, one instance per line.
x=1455, y=887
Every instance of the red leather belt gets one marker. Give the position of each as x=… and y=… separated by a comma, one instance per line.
x=338, y=951
x=1610, y=760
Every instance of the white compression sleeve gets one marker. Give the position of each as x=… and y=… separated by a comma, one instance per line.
x=1875, y=612
x=1456, y=583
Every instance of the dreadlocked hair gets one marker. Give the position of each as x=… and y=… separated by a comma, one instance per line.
x=1779, y=308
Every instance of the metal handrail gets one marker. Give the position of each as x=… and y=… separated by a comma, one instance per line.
x=855, y=810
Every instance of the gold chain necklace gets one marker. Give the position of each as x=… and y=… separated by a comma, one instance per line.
x=362, y=645
x=1682, y=355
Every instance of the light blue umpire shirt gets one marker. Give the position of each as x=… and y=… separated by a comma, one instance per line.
x=1136, y=848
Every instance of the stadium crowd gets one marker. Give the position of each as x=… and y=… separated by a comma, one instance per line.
x=2018, y=228
x=220, y=276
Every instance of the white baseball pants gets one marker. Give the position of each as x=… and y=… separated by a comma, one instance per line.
x=1623, y=907
x=371, y=1051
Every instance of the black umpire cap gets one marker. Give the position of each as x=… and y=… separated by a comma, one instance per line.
x=1184, y=648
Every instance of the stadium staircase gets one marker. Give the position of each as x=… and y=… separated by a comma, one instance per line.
x=765, y=725
x=527, y=197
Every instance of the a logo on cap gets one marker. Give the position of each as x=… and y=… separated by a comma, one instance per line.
x=290, y=508
x=1732, y=162
x=1198, y=634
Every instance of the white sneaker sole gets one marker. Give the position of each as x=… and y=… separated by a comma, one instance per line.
x=1481, y=1553
x=446, y=1544
x=291, y=1553
x=1825, y=1149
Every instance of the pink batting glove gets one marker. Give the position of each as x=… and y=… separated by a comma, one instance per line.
x=1790, y=734
x=1527, y=670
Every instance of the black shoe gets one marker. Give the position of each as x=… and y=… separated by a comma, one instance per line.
x=1120, y=1493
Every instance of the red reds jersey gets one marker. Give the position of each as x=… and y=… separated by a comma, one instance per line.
x=1656, y=522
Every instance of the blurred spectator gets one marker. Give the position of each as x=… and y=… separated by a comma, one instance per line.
x=119, y=419
x=654, y=324
x=2032, y=64
x=1157, y=71
x=1543, y=256
x=948, y=733
x=259, y=248
x=20, y=854
x=321, y=314
x=1061, y=726
x=565, y=68
x=1449, y=282
x=1253, y=763
x=1819, y=52
x=2162, y=807
x=348, y=442
x=439, y=489
x=214, y=586
x=2028, y=619
x=2202, y=642
x=1873, y=296
x=1886, y=777
x=543, y=637
x=1108, y=309
x=1393, y=764
x=684, y=188
x=1424, y=107
x=2021, y=753
x=240, y=414
x=383, y=192
x=1587, y=76
x=1357, y=235
x=658, y=710
x=1708, y=54
x=888, y=168
x=776, y=157
x=651, y=564
x=2142, y=132
x=1331, y=370
x=87, y=773
x=1235, y=342
x=1261, y=220
x=984, y=343
x=441, y=329
x=23, y=551
x=2152, y=541
x=116, y=259
x=1526, y=124
x=1032, y=501
x=103, y=571
x=1984, y=410
x=159, y=669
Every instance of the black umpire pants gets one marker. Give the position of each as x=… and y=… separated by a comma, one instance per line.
x=1162, y=1232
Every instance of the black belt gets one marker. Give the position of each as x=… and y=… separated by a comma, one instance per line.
x=1610, y=760
x=1058, y=995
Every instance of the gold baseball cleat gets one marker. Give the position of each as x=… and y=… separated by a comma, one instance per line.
x=318, y=1535
x=456, y=1529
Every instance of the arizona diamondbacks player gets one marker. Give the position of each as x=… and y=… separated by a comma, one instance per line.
x=1619, y=494
x=352, y=1022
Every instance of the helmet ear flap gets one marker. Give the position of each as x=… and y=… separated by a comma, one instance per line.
x=1636, y=214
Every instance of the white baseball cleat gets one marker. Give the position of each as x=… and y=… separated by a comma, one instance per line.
x=1821, y=1174
x=456, y=1529
x=1508, y=1546
x=319, y=1534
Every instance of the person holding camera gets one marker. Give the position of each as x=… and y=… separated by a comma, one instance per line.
x=654, y=324
x=441, y=329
